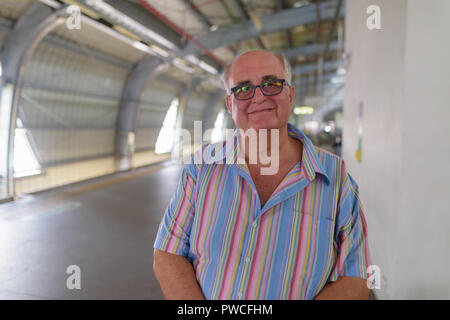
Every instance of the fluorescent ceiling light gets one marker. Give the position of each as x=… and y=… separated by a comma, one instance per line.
x=341, y=71
x=51, y=3
x=182, y=65
x=303, y=110
x=159, y=51
x=126, y=21
x=299, y=4
x=208, y=68
x=201, y=64
x=193, y=59
x=111, y=32
x=337, y=80
x=312, y=126
x=143, y=47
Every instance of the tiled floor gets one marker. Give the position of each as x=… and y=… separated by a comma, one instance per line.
x=106, y=228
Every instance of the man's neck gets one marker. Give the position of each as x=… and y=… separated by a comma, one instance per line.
x=269, y=144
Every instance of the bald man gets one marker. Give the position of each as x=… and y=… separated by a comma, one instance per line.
x=232, y=231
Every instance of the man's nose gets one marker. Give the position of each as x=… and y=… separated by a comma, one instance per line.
x=258, y=97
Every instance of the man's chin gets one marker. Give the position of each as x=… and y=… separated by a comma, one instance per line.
x=262, y=126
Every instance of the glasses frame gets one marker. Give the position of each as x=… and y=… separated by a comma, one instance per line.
x=253, y=87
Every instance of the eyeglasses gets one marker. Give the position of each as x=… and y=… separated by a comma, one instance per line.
x=270, y=87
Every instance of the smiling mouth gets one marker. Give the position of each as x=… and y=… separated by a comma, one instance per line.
x=262, y=110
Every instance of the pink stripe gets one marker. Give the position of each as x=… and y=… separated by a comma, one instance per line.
x=272, y=243
x=233, y=253
x=205, y=227
x=301, y=250
x=257, y=258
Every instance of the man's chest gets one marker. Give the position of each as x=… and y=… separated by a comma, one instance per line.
x=233, y=237
x=267, y=184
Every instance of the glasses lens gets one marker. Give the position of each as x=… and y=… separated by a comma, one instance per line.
x=243, y=92
x=272, y=87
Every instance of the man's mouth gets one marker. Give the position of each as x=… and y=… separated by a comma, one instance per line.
x=260, y=110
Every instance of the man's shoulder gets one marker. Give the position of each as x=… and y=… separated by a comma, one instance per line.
x=330, y=156
x=331, y=163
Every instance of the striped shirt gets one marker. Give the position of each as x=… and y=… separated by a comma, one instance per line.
x=311, y=231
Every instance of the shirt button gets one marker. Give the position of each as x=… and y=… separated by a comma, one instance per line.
x=247, y=259
x=255, y=224
x=239, y=295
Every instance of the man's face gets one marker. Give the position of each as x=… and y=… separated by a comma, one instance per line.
x=259, y=112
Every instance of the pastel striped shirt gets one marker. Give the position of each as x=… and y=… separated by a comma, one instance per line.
x=311, y=231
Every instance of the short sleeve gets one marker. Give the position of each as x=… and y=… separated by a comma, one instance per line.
x=350, y=238
x=175, y=227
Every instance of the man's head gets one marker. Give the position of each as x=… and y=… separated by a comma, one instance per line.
x=261, y=111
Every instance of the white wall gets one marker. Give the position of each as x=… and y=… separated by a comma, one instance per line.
x=401, y=74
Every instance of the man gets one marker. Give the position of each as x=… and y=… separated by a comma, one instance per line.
x=231, y=232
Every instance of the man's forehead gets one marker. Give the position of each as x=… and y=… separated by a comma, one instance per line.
x=261, y=63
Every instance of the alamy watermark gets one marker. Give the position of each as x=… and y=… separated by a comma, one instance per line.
x=373, y=277
x=373, y=21
x=74, y=280
x=74, y=20
x=260, y=147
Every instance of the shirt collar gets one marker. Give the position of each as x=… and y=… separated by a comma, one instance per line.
x=310, y=161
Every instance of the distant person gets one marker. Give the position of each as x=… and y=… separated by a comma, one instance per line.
x=233, y=232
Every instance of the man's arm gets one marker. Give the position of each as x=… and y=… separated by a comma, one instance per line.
x=176, y=277
x=345, y=288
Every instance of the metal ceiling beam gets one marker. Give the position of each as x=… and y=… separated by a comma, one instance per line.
x=308, y=50
x=88, y=52
x=120, y=12
x=179, y=30
x=333, y=28
x=279, y=21
x=210, y=108
x=196, y=12
x=304, y=69
x=146, y=70
x=284, y=4
x=183, y=102
x=238, y=6
x=17, y=49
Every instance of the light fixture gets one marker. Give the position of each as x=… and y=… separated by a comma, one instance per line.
x=299, y=4
x=303, y=110
x=201, y=64
x=341, y=71
x=159, y=50
x=129, y=23
x=182, y=65
x=208, y=68
x=143, y=47
x=337, y=80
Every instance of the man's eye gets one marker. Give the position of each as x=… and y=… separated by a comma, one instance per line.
x=242, y=89
x=273, y=83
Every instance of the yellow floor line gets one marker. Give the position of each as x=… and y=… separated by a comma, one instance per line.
x=111, y=182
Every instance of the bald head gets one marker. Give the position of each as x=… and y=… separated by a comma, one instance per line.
x=248, y=55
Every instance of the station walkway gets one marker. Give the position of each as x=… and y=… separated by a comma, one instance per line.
x=106, y=227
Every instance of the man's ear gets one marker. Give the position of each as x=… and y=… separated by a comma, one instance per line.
x=228, y=102
x=291, y=94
